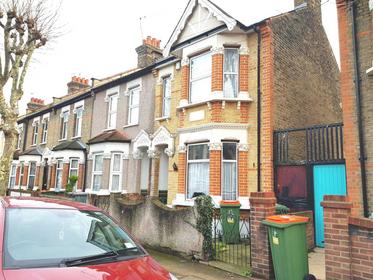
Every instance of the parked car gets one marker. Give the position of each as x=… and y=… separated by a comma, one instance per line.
x=57, y=239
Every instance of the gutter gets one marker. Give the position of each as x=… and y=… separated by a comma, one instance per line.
x=257, y=30
x=362, y=157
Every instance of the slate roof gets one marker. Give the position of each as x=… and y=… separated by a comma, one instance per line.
x=110, y=136
x=32, y=152
x=76, y=145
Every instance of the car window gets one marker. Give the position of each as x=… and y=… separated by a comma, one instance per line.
x=44, y=237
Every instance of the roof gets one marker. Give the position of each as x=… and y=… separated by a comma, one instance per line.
x=44, y=203
x=32, y=152
x=70, y=145
x=110, y=136
x=16, y=154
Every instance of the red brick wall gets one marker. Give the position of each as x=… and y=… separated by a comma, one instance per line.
x=65, y=174
x=244, y=113
x=18, y=170
x=350, y=139
x=348, y=241
x=243, y=188
x=182, y=170
x=309, y=228
x=80, y=177
x=25, y=175
x=215, y=172
x=184, y=82
x=52, y=178
x=244, y=73
x=267, y=117
x=37, y=177
x=216, y=112
x=217, y=72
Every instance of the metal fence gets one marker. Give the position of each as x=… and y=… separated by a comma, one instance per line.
x=232, y=245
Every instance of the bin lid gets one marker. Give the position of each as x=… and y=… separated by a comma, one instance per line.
x=287, y=219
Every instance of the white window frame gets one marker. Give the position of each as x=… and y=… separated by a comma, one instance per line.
x=21, y=173
x=44, y=130
x=29, y=175
x=35, y=133
x=166, y=96
x=116, y=173
x=59, y=169
x=195, y=161
x=232, y=73
x=74, y=169
x=222, y=169
x=12, y=175
x=78, y=121
x=131, y=106
x=97, y=173
x=111, y=112
x=64, y=125
x=191, y=81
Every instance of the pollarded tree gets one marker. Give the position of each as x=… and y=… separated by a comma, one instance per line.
x=25, y=26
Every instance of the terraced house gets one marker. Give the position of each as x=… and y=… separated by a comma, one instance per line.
x=234, y=83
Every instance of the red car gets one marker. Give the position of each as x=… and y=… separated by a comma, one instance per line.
x=54, y=239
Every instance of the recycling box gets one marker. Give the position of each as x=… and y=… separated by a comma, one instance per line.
x=230, y=221
x=288, y=241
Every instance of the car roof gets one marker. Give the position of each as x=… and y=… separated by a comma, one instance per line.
x=45, y=203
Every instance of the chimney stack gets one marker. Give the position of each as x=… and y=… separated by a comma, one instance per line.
x=148, y=52
x=313, y=5
x=76, y=84
x=34, y=105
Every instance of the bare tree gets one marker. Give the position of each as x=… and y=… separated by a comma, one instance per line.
x=25, y=25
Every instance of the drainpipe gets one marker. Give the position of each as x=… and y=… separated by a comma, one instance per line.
x=362, y=157
x=257, y=30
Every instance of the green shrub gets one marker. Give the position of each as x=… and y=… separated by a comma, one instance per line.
x=204, y=223
x=281, y=209
x=72, y=182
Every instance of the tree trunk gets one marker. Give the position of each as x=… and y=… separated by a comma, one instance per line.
x=11, y=138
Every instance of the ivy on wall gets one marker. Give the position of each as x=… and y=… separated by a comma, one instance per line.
x=204, y=223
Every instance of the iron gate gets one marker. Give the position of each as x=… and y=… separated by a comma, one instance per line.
x=237, y=253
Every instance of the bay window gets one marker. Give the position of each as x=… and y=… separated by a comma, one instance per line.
x=116, y=172
x=166, y=106
x=200, y=77
x=74, y=169
x=133, y=106
x=229, y=171
x=31, y=174
x=59, y=171
x=230, y=72
x=112, y=111
x=198, y=165
x=12, y=176
x=78, y=121
x=97, y=170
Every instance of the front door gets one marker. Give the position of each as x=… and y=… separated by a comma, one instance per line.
x=328, y=180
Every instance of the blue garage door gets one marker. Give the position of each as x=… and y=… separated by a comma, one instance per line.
x=328, y=180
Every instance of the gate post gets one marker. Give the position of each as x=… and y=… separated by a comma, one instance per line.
x=262, y=204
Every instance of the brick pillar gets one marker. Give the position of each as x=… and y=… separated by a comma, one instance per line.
x=262, y=205
x=337, y=209
x=185, y=79
x=18, y=170
x=217, y=71
x=181, y=170
x=154, y=174
x=216, y=112
x=350, y=138
x=243, y=187
x=25, y=175
x=65, y=174
x=215, y=168
x=37, y=176
x=52, y=177
x=79, y=183
x=267, y=118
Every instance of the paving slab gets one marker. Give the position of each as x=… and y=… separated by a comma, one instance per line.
x=316, y=263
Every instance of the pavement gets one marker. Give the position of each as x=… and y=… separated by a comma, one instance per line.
x=187, y=270
x=316, y=263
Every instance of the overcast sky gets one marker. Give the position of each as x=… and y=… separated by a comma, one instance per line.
x=100, y=37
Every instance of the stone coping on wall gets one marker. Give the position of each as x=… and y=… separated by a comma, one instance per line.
x=361, y=222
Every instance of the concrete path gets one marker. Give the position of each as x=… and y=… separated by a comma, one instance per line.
x=316, y=263
x=187, y=270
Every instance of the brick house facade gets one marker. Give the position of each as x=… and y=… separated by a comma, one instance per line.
x=356, y=49
x=213, y=117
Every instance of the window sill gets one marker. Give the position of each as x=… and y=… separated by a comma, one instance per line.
x=61, y=140
x=130, y=125
x=76, y=137
x=44, y=143
x=163, y=119
x=33, y=145
x=237, y=100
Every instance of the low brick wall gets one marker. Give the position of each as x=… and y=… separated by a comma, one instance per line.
x=157, y=226
x=348, y=241
x=309, y=228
